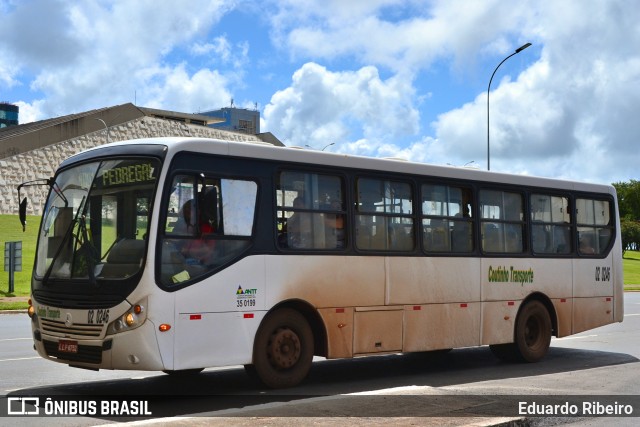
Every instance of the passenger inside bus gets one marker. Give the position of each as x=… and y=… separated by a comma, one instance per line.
x=334, y=227
x=185, y=223
x=200, y=249
x=586, y=246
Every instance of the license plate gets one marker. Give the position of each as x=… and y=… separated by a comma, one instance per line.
x=65, y=346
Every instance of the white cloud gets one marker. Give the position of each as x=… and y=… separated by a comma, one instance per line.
x=91, y=54
x=173, y=86
x=321, y=107
x=573, y=113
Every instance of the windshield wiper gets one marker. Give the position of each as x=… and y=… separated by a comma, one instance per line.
x=90, y=253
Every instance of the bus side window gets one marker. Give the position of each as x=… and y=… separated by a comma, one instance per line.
x=203, y=238
x=550, y=224
x=502, y=216
x=310, y=211
x=384, y=219
x=447, y=218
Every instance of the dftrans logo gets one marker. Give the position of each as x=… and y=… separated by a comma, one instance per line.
x=22, y=406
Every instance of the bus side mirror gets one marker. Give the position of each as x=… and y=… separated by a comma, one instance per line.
x=23, y=213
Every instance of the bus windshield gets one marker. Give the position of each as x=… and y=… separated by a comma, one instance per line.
x=96, y=220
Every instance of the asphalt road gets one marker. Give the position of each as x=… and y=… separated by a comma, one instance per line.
x=404, y=389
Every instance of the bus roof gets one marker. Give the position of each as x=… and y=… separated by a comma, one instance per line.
x=263, y=150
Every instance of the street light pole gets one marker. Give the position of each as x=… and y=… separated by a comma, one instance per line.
x=327, y=146
x=106, y=128
x=518, y=50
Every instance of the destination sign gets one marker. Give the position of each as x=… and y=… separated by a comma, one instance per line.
x=131, y=174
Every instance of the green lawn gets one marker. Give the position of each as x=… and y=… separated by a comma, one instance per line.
x=631, y=268
x=11, y=230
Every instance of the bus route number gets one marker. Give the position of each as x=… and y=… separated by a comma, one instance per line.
x=603, y=274
x=98, y=316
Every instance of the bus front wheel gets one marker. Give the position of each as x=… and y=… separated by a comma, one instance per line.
x=283, y=349
x=533, y=332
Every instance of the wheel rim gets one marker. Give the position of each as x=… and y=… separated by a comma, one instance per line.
x=284, y=348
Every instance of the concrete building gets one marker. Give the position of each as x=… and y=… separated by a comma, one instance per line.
x=35, y=150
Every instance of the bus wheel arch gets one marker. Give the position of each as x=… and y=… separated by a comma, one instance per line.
x=284, y=345
x=535, y=324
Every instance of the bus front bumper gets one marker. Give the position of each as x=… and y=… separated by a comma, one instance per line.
x=131, y=350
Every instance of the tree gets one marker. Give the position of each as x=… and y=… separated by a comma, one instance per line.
x=629, y=206
x=629, y=199
x=630, y=235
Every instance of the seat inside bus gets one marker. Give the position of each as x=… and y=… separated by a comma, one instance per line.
x=124, y=259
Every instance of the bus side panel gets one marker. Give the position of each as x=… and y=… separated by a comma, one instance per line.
x=217, y=318
x=215, y=339
x=326, y=281
x=441, y=326
x=339, y=326
x=498, y=321
x=426, y=280
x=377, y=330
x=516, y=278
x=593, y=277
x=593, y=293
x=564, y=313
x=589, y=313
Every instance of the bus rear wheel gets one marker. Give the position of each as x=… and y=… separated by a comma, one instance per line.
x=533, y=332
x=283, y=349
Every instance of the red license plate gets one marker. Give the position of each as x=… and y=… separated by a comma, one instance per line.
x=65, y=346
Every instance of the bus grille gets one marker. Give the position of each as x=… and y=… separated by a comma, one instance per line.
x=77, y=330
x=85, y=354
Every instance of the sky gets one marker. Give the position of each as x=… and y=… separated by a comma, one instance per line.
x=379, y=78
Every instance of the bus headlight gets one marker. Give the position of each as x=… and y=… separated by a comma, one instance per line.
x=133, y=318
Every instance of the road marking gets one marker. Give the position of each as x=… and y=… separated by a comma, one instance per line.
x=15, y=339
x=20, y=358
x=576, y=338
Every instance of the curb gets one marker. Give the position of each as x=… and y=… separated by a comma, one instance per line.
x=13, y=311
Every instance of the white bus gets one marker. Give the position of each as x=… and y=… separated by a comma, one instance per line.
x=178, y=254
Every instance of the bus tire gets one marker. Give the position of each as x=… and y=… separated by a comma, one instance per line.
x=533, y=332
x=283, y=349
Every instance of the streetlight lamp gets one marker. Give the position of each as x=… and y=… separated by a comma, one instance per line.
x=106, y=127
x=518, y=50
x=323, y=148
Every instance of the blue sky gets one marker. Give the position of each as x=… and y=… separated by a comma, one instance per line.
x=384, y=78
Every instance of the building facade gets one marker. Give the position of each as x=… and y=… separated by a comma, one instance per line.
x=8, y=114
x=35, y=150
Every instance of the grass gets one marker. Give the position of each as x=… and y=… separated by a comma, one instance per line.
x=631, y=268
x=11, y=230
